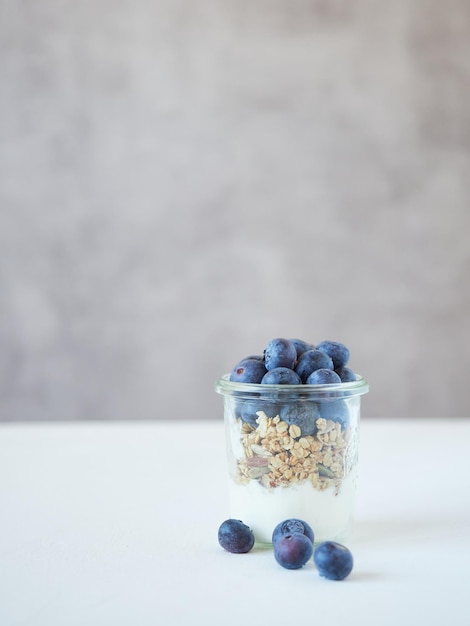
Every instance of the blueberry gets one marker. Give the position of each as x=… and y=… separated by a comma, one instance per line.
x=310, y=361
x=346, y=374
x=293, y=551
x=335, y=410
x=333, y=560
x=337, y=351
x=235, y=536
x=280, y=353
x=249, y=409
x=281, y=376
x=302, y=414
x=292, y=526
x=301, y=346
x=323, y=377
x=249, y=370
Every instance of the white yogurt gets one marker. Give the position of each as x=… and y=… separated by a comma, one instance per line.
x=329, y=515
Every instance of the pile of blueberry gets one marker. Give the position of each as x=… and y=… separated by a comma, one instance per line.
x=295, y=362
x=293, y=547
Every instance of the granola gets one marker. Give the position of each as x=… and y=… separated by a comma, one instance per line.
x=277, y=455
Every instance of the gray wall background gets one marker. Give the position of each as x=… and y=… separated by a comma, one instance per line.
x=183, y=181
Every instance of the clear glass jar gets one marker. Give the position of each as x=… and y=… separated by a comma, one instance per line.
x=292, y=452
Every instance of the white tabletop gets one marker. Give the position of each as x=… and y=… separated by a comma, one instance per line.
x=116, y=524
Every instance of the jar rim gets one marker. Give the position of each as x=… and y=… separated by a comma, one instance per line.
x=356, y=387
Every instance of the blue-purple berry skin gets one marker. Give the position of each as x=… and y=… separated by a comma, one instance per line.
x=310, y=361
x=323, y=377
x=249, y=370
x=333, y=560
x=281, y=376
x=293, y=551
x=301, y=346
x=292, y=526
x=248, y=410
x=303, y=414
x=280, y=352
x=346, y=374
x=335, y=410
x=337, y=351
x=235, y=536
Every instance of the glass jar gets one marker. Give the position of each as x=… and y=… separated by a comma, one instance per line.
x=292, y=452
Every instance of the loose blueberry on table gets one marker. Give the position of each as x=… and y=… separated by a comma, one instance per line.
x=333, y=560
x=235, y=536
x=291, y=526
x=292, y=547
x=293, y=551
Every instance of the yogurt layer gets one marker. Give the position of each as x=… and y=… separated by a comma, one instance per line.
x=330, y=514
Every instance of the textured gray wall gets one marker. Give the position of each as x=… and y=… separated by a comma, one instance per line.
x=182, y=181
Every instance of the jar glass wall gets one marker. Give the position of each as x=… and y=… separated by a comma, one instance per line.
x=292, y=452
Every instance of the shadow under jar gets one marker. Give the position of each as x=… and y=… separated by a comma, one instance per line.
x=292, y=452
